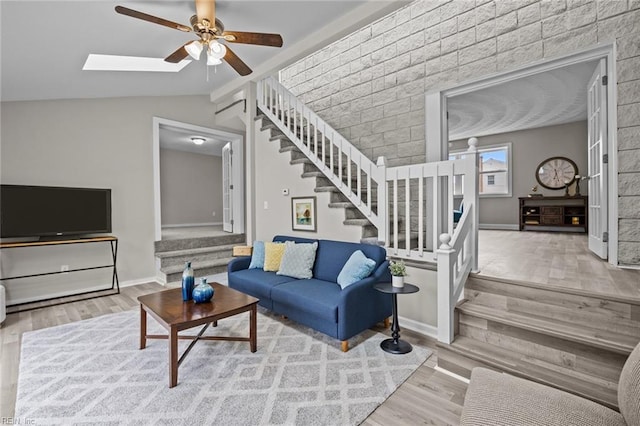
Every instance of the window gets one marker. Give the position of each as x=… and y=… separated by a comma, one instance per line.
x=494, y=170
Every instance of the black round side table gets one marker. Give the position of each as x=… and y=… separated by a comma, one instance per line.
x=395, y=345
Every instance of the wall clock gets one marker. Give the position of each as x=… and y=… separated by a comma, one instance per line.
x=553, y=172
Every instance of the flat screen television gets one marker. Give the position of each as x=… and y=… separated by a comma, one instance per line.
x=49, y=211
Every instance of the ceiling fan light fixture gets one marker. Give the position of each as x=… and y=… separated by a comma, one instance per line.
x=194, y=49
x=212, y=60
x=198, y=140
x=217, y=50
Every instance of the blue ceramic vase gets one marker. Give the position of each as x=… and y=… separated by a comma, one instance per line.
x=203, y=292
x=187, y=282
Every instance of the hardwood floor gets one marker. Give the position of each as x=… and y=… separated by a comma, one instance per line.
x=553, y=258
x=427, y=397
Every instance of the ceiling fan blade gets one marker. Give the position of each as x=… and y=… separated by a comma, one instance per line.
x=178, y=55
x=262, y=39
x=236, y=63
x=206, y=9
x=153, y=19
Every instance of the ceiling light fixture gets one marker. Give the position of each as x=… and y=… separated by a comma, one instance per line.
x=215, y=53
x=198, y=141
x=194, y=49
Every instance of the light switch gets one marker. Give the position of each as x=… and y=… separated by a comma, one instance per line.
x=266, y=205
x=285, y=191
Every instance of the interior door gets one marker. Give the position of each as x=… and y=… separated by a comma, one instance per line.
x=597, y=148
x=227, y=189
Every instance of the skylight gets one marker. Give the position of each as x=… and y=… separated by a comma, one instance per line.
x=130, y=63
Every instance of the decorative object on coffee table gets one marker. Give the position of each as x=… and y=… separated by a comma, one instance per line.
x=203, y=292
x=303, y=214
x=398, y=272
x=187, y=282
x=395, y=345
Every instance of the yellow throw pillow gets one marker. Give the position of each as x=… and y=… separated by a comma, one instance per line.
x=273, y=253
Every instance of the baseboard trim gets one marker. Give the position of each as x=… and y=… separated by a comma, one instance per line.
x=191, y=225
x=499, y=227
x=130, y=283
x=418, y=327
x=450, y=374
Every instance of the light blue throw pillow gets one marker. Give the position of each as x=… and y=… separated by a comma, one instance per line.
x=298, y=260
x=257, y=256
x=357, y=267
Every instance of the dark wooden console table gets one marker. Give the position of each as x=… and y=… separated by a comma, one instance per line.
x=563, y=214
x=115, y=284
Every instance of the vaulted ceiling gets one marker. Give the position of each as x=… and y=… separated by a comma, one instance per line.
x=45, y=43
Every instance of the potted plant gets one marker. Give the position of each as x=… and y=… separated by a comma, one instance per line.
x=398, y=272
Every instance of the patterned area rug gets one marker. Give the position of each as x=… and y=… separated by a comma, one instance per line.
x=92, y=372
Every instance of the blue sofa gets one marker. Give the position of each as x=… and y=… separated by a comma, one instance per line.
x=319, y=302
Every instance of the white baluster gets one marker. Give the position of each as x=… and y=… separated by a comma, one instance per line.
x=407, y=213
x=383, y=203
x=359, y=179
x=395, y=212
x=421, y=212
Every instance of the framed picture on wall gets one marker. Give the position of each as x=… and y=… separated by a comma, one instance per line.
x=303, y=214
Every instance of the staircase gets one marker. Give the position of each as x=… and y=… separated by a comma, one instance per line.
x=353, y=216
x=573, y=340
x=208, y=255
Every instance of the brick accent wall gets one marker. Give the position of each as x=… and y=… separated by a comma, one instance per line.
x=370, y=85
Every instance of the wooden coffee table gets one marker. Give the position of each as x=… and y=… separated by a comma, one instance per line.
x=175, y=315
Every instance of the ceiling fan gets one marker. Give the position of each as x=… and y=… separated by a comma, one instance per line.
x=209, y=29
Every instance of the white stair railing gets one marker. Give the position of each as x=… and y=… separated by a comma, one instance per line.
x=357, y=177
x=411, y=206
x=458, y=252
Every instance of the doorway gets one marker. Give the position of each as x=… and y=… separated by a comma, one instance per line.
x=193, y=155
x=515, y=105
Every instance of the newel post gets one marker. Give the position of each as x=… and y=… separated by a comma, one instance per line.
x=475, y=195
x=383, y=203
x=446, y=261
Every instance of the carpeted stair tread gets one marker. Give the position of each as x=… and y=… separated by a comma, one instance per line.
x=198, y=242
x=360, y=222
x=172, y=269
x=536, y=370
x=607, y=340
x=195, y=251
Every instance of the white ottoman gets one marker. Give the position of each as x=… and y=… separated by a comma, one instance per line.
x=3, y=302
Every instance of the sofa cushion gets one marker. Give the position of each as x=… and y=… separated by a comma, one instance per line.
x=316, y=297
x=257, y=255
x=256, y=282
x=332, y=255
x=273, y=256
x=357, y=267
x=298, y=260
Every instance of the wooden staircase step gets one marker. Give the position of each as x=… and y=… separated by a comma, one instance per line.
x=607, y=340
x=497, y=285
x=467, y=350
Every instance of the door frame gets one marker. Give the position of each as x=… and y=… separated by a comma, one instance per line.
x=436, y=131
x=237, y=145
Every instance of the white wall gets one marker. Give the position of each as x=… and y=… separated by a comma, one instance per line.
x=529, y=149
x=105, y=143
x=190, y=188
x=274, y=173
